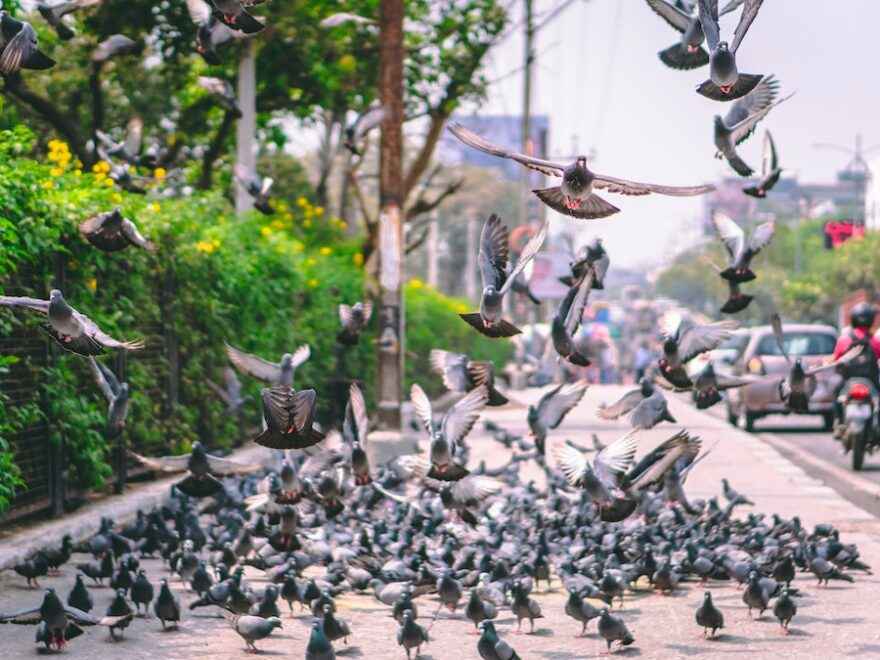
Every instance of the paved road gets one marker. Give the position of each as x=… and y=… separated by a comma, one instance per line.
x=832, y=623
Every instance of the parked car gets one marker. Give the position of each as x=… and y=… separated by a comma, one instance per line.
x=813, y=344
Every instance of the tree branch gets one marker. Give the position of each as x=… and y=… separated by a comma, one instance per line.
x=215, y=149
x=423, y=205
x=14, y=86
x=423, y=158
x=97, y=98
x=418, y=242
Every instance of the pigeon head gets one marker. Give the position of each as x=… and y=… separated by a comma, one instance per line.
x=286, y=361
x=670, y=346
x=647, y=387
x=274, y=621
x=198, y=449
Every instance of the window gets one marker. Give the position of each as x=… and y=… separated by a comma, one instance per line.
x=799, y=343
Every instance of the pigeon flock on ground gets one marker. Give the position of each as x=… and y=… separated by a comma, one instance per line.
x=429, y=531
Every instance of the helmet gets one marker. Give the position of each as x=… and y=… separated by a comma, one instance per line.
x=862, y=315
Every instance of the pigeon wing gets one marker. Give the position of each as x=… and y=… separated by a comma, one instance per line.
x=33, y=304
x=460, y=418
x=731, y=235
x=477, y=142
x=771, y=159
x=625, y=187
x=473, y=489
x=91, y=329
x=130, y=231
x=526, y=256
x=134, y=134
x=622, y=406
x=453, y=367
x=300, y=356
x=708, y=12
x=29, y=616
x=676, y=18
x=570, y=462
x=701, y=338
x=253, y=365
x=616, y=458
x=749, y=13
x=552, y=410
x=359, y=413
x=422, y=404
x=163, y=463
x=494, y=252
x=761, y=237
x=100, y=380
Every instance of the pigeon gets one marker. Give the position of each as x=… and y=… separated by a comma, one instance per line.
x=591, y=257
x=755, y=596
x=725, y=82
x=708, y=616
x=211, y=33
x=629, y=401
x=491, y=647
x=521, y=285
x=465, y=495
x=343, y=18
x=79, y=596
x=411, y=635
x=223, y=91
x=54, y=13
x=457, y=422
x=289, y=417
x=580, y=610
x=253, y=628
x=334, y=628
x=56, y=557
x=784, y=609
x=825, y=571
x=142, y=592
x=167, y=606
x=117, y=395
x=739, y=123
x=70, y=329
x=524, y=607
x=651, y=411
x=33, y=568
x=736, y=299
x=552, y=409
x=201, y=466
x=230, y=394
x=61, y=623
x=233, y=14
x=688, y=53
x=257, y=187
x=741, y=251
x=575, y=197
x=599, y=478
x=770, y=170
x=119, y=609
x=98, y=571
x=280, y=373
x=129, y=150
x=686, y=342
x=567, y=321
x=366, y=122
x=733, y=496
x=355, y=429
x=493, y=258
x=112, y=232
x=613, y=629
x=708, y=386
x=354, y=319
x=461, y=374
x=19, y=48
x=319, y=647
x=114, y=46
x=479, y=610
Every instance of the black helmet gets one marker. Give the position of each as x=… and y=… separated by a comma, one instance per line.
x=862, y=315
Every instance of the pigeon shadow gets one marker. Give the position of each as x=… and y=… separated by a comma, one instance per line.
x=865, y=650
x=842, y=621
x=541, y=632
x=351, y=652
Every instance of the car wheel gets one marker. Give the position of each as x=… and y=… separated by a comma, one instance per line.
x=828, y=422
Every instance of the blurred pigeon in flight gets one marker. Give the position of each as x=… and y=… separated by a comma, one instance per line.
x=335, y=20
x=725, y=82
x=567, y=321
x=54, y=14
x=593, y=256
x=354, y=319
x=551, y=409
x=461, y=374
x=113, y=46
x=223, y=91
x=257, y=187
x=367, y=121
x=280, y=373
x=575, y=197
x=117, y=395
x=230, y=393
x=210, y=32
x=770, y=170
x=685, y=343
x=493, y=258
x=112, y=232
x=233, y=14
x=19, y=48
x=740, y=250
x=688, y=53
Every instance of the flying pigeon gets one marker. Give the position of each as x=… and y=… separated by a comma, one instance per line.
x=72, y=330
x=233, y=14
x=19, y=48
x=461, y=374
x=354, y=319
x=567, y=321
x=575, y=196
x=708, y=384
x=129, y=150
x=112, y=232
x=599, y=478
x=688, y=53
x=54, y=13
x=201, y=467
x=341, y=18
x=230, y=394
x=355, y=429
x=210, y=32
x=113, y=46
x=367, y=121
x=223, y=91
x=591, y=256
x=770, y=170
x=255, y=186
x=552, y=409
x=740, y=251
x=685, y=343
x=117, y=395
x=493, y=257
x=280, y=373
x=289, y=417
x=725, y=82
x=740, y=121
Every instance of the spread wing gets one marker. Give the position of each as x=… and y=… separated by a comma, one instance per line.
x=91, y=329
x=253, y=365
x=616, y=458
x=134, y=134
x=300, y=356
x=226, y=466
x=359, y=415
x=494, y=252
x=552, y=410
x=708, y=12
x=130, y=231
x=477, y=142
x=33, y=304
x=163, y=463
x=19, y=49
x=101, y=380
x=24, y=617
x=655, y=464
x=850, y=355
x=625, y=187
x=460, y=418
x=570, y=462
x=622, y=406
x=474, y=489
x=526, y=256
x=199, y=11
x=368, y=121
x=345, y=315
x=730, y=233
x=701, y=338
x=761, y=237
x=578, y=304
x=676, y=18
x=771, y=159
x=749, y=13
x=453, y=367
x=422, y=404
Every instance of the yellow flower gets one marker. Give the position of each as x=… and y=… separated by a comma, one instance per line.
x=302, y=202
x=297, y=247
x=101, y=167
x=56, y=171
x=116, y=198
x=461, y=308
x=77, y=173
x=205, y=246
x=416, y=283
x=358, y=259
x=108, y=182
x=100, y=176
x=155, y=208
x=312, y=283
x=266, y=231
x=160, y=173
x=343, y=225
x=92, y=284
x=326, y=251
x=319, y=210
x=48, y=184
x=307, y=223
x=277, y=224
x=311, y=262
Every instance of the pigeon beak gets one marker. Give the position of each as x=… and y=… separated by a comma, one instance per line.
x=725, y=89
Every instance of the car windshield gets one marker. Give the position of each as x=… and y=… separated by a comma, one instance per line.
x=735, y=343
x=799, y=343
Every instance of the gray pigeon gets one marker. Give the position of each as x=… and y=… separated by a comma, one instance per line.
x=289, y=416
x=708, y=616
x=567, y=321
x=233, y=14
x=575, y=196
x=366, y=122
x=479, y=610
x=254, y=628
x=119, y=609
x=709, y=384
x=54, y=13
x=688, y=52
x=112, y=232
x=449, y=591
x=613, y=629
x=580, y=610
x=754, y=595
x=524, y=607
x=117, y=395
x=142, y=592
x=770, y=170
x=274, y=373
x=72, y=330
x=354, y=318
x=739, y=123
x=334, y=628
x=493, y=260
x=741, y=251
x=552, y=409
x=114, y=46
x=19, y=48
x=319, y=647
x=343, y=18
x=686, y=342
x=491, y=647
x=257, y=187
x=650, y=412
x=230, y=394
x=725, y=82
x=600, y=478
x=211, y=33
x=223, y=91
x=784, y=609
x=411, y=635
x=461, y=374
x=355, y=431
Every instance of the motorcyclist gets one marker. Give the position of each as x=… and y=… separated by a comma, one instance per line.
x=865, y=366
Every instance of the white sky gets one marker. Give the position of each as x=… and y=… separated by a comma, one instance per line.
x=598, y=77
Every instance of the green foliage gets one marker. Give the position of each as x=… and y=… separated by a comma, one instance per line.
x=264, y=284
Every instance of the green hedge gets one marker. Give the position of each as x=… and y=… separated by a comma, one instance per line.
x=265, y=284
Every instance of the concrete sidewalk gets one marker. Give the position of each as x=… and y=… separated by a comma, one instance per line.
x=836, y=622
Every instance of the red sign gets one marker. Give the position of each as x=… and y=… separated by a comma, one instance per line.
x=837, y=232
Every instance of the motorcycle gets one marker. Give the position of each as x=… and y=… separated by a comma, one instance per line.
x=859, y=431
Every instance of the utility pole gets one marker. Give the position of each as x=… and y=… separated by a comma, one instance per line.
x=528, y=82
x=246, y=128
x=391, y=349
